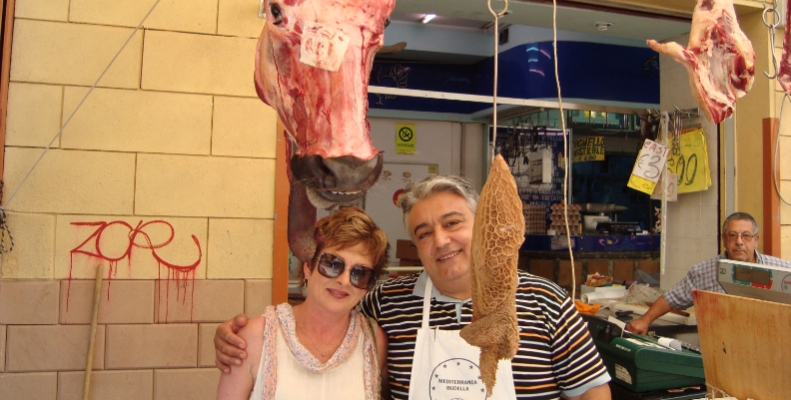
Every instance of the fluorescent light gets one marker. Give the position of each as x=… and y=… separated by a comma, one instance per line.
x=428, y=18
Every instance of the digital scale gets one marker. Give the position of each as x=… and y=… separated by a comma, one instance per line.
x=757, y=281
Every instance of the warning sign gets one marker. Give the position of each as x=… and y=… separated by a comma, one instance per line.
x=405, y=139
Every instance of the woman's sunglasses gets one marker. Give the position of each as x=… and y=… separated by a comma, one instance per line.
x=332, y=266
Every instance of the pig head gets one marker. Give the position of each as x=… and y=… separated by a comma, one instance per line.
x=313, y=61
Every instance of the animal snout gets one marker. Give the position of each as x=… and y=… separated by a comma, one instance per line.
x=338, y=179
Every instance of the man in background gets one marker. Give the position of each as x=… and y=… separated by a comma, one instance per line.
x=739, y=237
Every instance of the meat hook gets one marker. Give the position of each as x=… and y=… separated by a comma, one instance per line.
x=772, y=27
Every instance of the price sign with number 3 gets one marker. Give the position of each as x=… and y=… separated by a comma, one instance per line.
x=648, y=167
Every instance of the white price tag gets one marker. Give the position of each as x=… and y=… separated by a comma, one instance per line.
x=651, y=160
x=323, y=46
x=671, y=188
x=648, y=166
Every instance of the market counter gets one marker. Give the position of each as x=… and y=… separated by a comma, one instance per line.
x=623, y=257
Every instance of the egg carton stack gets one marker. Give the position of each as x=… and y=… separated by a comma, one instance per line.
x=535, y=219
x=558, y=219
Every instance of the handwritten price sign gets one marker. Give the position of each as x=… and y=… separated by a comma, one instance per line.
x=689, y=159
x=670, y=187
x=648, y=167
x=589, y=149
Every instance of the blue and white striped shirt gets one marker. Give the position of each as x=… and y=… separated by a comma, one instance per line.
x=556, y=353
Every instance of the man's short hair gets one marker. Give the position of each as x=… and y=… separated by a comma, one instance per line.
x=434, y=184
x=740, y=216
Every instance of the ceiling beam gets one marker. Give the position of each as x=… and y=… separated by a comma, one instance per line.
x=639, y=8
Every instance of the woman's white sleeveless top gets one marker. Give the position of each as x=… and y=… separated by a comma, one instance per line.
x=296, y=382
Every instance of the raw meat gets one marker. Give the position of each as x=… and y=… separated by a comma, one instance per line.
x=719, y=58
x=313, y=62
x=784, y=72
x=497, y=236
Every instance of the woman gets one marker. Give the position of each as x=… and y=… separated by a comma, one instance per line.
x=322, y=348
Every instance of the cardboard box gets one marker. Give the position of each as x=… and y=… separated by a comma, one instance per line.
x=406, y=250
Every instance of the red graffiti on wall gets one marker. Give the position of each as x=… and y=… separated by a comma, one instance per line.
x=138, y=238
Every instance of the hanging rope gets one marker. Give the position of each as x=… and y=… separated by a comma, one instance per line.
x=772, y=26
x=566, y=171
x=777, y=146
x=35, y=164
x=496, y=16
x=664, y=121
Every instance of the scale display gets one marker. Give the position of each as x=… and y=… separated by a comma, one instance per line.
x=757, y=281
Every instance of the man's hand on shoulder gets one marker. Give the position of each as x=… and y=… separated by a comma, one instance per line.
x=228, y=345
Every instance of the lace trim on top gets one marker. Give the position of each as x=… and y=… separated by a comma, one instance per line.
x=285, y=315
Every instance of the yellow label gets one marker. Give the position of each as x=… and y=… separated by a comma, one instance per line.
x=689, y=160
x=641, y=184
x=406, y=137
x=589, y=149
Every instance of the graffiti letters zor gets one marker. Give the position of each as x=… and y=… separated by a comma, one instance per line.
x=117, y=240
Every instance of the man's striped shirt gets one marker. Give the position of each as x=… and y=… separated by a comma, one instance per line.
x=555, y=353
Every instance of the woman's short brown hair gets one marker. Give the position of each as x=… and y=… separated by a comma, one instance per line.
x=349, y=227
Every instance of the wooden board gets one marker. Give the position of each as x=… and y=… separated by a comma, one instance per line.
x=745, y=345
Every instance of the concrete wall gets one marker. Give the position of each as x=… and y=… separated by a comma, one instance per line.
x=691, y=231
x=165, y=175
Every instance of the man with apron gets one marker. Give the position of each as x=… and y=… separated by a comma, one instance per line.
x=423, y=314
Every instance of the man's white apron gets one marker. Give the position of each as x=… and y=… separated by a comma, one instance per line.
x=445, y=366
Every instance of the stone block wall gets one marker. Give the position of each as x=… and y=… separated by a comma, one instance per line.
x=164, y=176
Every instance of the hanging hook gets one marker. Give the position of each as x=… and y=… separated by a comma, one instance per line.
x=497, y=14
x=772, y=27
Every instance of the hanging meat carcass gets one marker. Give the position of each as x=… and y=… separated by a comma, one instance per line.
x=719, y=58
x=784, y=72
x=313, y=61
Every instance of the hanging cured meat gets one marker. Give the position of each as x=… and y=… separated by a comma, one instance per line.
x=719, y=58
x=784, y=72
x=498, y=233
